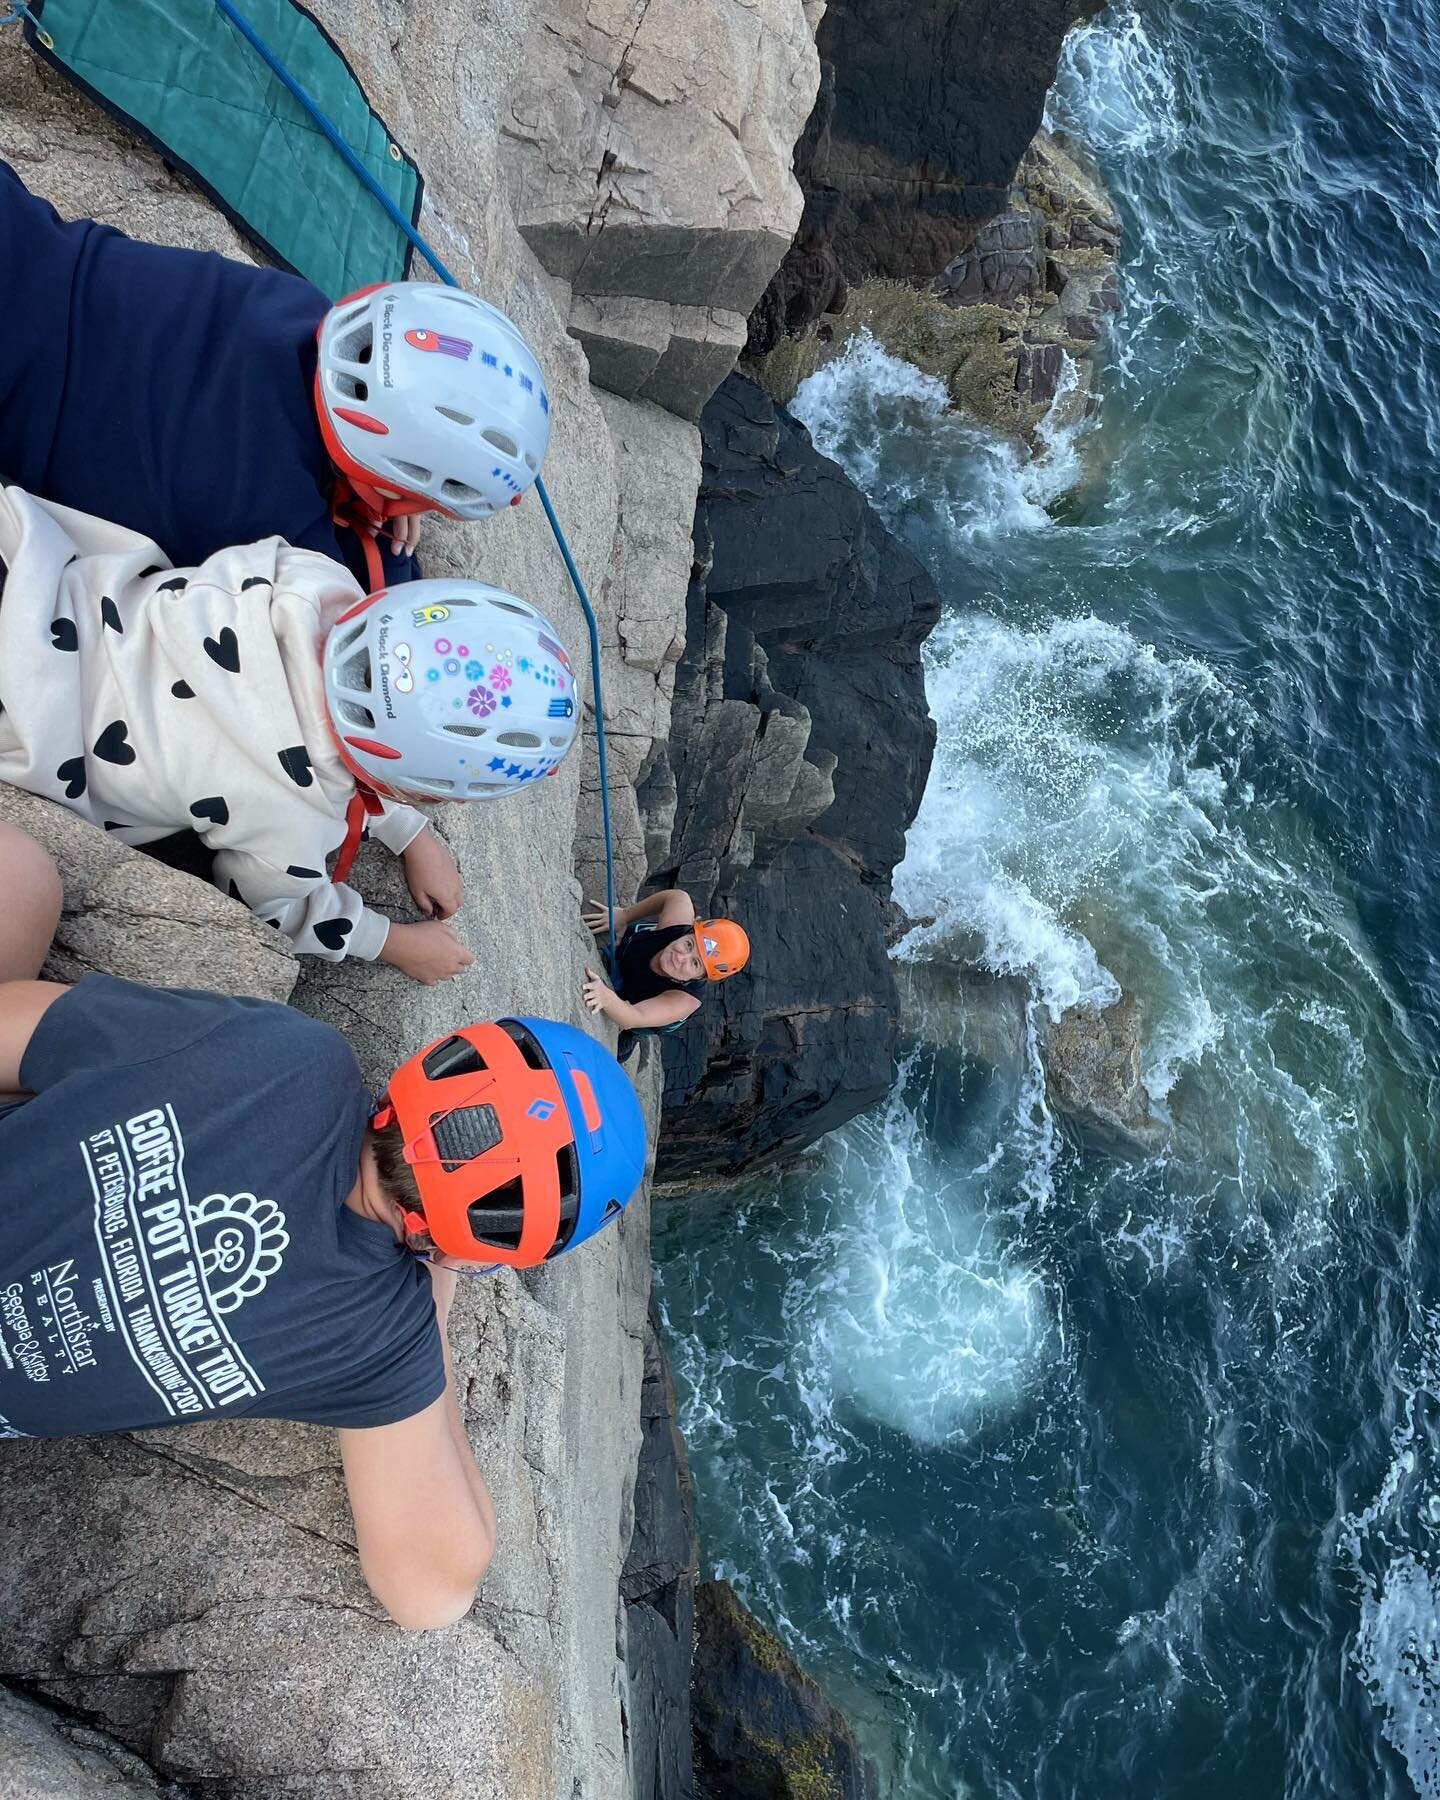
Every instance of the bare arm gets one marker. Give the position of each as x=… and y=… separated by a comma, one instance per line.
x=671, y=906
x=22, y=1006
x=659, y=1010
x=29, y=908
x=424, y=1522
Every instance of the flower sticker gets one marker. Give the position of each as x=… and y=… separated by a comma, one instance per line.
x=481, y=702
x=474, y=670
x=499, y=678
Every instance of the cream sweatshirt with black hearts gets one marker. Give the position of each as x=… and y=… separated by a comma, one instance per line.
x=150, y=699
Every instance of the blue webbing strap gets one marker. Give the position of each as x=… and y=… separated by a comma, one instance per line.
x=283, y=75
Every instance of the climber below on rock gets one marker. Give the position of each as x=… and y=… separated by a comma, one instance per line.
x=204, y=1215
x=205, y=402
x=662, y=962
x=153, y=700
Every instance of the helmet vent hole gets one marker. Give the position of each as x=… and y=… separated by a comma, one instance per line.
x=354, y=714
x=349, y=385
x=430, y=784
x=455, y=1056
x=520, y=740
x=466, y=731
x=459, y=492
x=525, y=1043
x=520, y=612
x=354, y=345
x=464, y=1134
x=458, y=418
x=354, y=672
x=530, y=463
x=558, y=743
x=501, y=441
x=499, y=1218
x=411, y=471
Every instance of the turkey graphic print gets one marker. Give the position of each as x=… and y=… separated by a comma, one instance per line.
x=174, y=1269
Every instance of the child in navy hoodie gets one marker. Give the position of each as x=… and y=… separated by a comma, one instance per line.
x=186, y=397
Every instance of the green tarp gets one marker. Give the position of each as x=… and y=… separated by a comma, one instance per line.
x=184, y=77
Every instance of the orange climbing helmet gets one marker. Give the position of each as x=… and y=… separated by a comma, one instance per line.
x=724, y=948
x=524, y=1137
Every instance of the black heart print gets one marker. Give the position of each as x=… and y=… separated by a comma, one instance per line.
x=296, y=763
x=224, y=650
x=72, y=773
x=112, y=746
x=63, y=634
x=213, y=808
x=332, y=933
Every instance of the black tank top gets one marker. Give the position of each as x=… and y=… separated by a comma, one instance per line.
x=634, y=978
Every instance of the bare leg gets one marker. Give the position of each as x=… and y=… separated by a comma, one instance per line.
x=29, y=904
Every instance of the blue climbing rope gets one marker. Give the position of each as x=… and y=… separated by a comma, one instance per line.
x=368, y=181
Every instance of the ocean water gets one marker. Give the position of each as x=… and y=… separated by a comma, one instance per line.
x=1073, y=1470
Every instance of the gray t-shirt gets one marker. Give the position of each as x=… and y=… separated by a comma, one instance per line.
x=174, y=1242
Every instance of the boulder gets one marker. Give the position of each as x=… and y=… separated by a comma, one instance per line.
x=1093, y=1073
x=763, y=1729
x=1031, y=293
x=799, y=747
x=899, y=175
x=647, y=147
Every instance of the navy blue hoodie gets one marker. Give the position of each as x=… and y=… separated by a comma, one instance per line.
x=167, y=390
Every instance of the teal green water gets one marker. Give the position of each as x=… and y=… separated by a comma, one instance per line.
x=1073, y=1472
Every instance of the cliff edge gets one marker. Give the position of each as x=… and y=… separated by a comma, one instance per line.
x=193, y=1598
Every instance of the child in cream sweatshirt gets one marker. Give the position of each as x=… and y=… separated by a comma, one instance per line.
x=150, y=699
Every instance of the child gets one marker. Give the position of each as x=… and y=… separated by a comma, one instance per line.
x=660, y=962
x=230, y=1229
x=150, y=699
x=186, y=396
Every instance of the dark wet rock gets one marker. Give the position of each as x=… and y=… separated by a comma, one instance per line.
x=657, y=1587
x=998, y=322
x=1092, y=1068
x=799, y=749
x=901, y=173
x=763, y=1729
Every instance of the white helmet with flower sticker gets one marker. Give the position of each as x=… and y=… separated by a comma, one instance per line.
x=449, y=690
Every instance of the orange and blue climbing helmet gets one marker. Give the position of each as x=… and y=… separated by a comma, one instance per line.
x=524, y=1137
x=724, y=947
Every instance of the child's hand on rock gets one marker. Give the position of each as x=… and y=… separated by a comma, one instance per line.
x=427, y=952
x=433, y=877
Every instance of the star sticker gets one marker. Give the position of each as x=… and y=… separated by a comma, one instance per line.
x=497, y=762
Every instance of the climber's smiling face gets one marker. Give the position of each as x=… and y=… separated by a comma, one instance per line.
x=680, y=960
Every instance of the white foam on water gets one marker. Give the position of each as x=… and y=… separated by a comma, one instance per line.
x=1092, y=826
x=1113, y=89
x=919, y=1317
x=1392, y=1547
x=865, y=408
